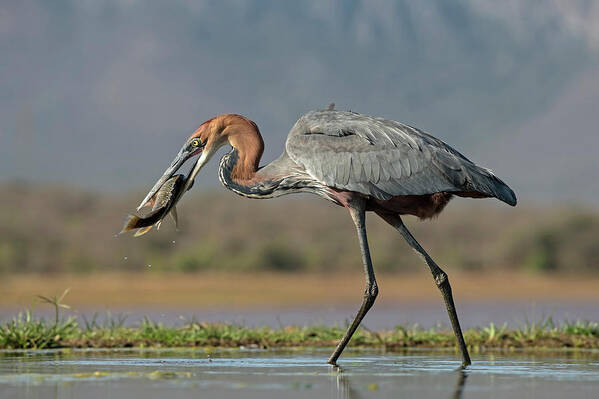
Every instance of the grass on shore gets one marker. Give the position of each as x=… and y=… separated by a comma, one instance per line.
x=26, y=332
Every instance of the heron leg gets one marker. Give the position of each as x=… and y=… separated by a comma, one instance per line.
x=357, y=212
x=439, y=276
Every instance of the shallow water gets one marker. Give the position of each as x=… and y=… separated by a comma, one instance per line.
x=425, y=314
x=294, y=374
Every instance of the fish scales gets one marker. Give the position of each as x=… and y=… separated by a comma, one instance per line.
x=163, y=203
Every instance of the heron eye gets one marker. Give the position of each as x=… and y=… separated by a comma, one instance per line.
x=195, y=143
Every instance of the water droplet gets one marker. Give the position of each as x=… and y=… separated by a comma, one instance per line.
x=125, y=258
x=149, y=265
x=173, y=241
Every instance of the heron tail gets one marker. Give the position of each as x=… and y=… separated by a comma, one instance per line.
x=504, y=193
x=484, y=181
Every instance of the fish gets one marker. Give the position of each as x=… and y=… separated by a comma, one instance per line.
x=163, y=203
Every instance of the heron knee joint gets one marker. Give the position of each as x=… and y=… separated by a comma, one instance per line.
x=441, y=279
x=371, y=292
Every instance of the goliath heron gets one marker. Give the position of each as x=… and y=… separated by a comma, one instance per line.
x=356, y=161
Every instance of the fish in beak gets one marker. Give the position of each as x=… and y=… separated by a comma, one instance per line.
x=193, y=147
x=169, y=189
x=163, y=203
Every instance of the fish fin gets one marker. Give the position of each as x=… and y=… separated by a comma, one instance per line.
x=131, y=222
x=151, y=202
x=155, y=205
x=142, y=231
x=175, y=217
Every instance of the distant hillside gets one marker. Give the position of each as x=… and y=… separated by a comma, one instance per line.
x=553, y=156
x=58, y=229
x=103, y=94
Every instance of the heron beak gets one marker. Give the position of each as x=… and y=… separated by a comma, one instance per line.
x=179, y=160
x=202, y=160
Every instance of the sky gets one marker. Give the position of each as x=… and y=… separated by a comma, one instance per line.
x=102, y=94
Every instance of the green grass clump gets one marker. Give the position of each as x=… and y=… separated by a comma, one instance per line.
x=27, y=332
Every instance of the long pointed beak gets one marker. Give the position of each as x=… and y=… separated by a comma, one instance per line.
x=179, y=160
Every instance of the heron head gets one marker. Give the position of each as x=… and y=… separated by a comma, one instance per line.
x=205, y=141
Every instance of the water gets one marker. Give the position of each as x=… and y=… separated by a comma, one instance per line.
x=425, y=314
x=294, y=374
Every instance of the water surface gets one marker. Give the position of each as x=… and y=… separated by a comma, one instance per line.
x=294, y=374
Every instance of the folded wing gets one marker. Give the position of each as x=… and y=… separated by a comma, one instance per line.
x=384, y=158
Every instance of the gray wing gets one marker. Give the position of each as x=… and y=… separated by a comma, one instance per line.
x=384, y=158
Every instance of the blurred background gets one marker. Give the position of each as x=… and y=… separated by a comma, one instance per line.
x=98, y=96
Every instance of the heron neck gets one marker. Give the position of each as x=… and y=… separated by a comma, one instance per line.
x=246, y=140
x=248, y=183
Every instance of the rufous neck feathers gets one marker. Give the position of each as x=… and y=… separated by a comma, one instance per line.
x=242, y=134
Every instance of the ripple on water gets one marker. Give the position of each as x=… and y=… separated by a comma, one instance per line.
x=414, y=373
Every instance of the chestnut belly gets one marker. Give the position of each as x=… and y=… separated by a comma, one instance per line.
x=423, y=206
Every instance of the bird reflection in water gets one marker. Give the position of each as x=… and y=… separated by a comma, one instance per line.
x=458, y=392
x=342, y=387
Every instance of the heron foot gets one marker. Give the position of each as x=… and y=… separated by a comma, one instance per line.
x=466, y=363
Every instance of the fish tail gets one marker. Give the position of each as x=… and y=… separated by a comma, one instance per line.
x=131, y=222
x=142, y=231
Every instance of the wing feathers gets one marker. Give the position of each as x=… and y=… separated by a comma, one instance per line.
x=384, y=158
